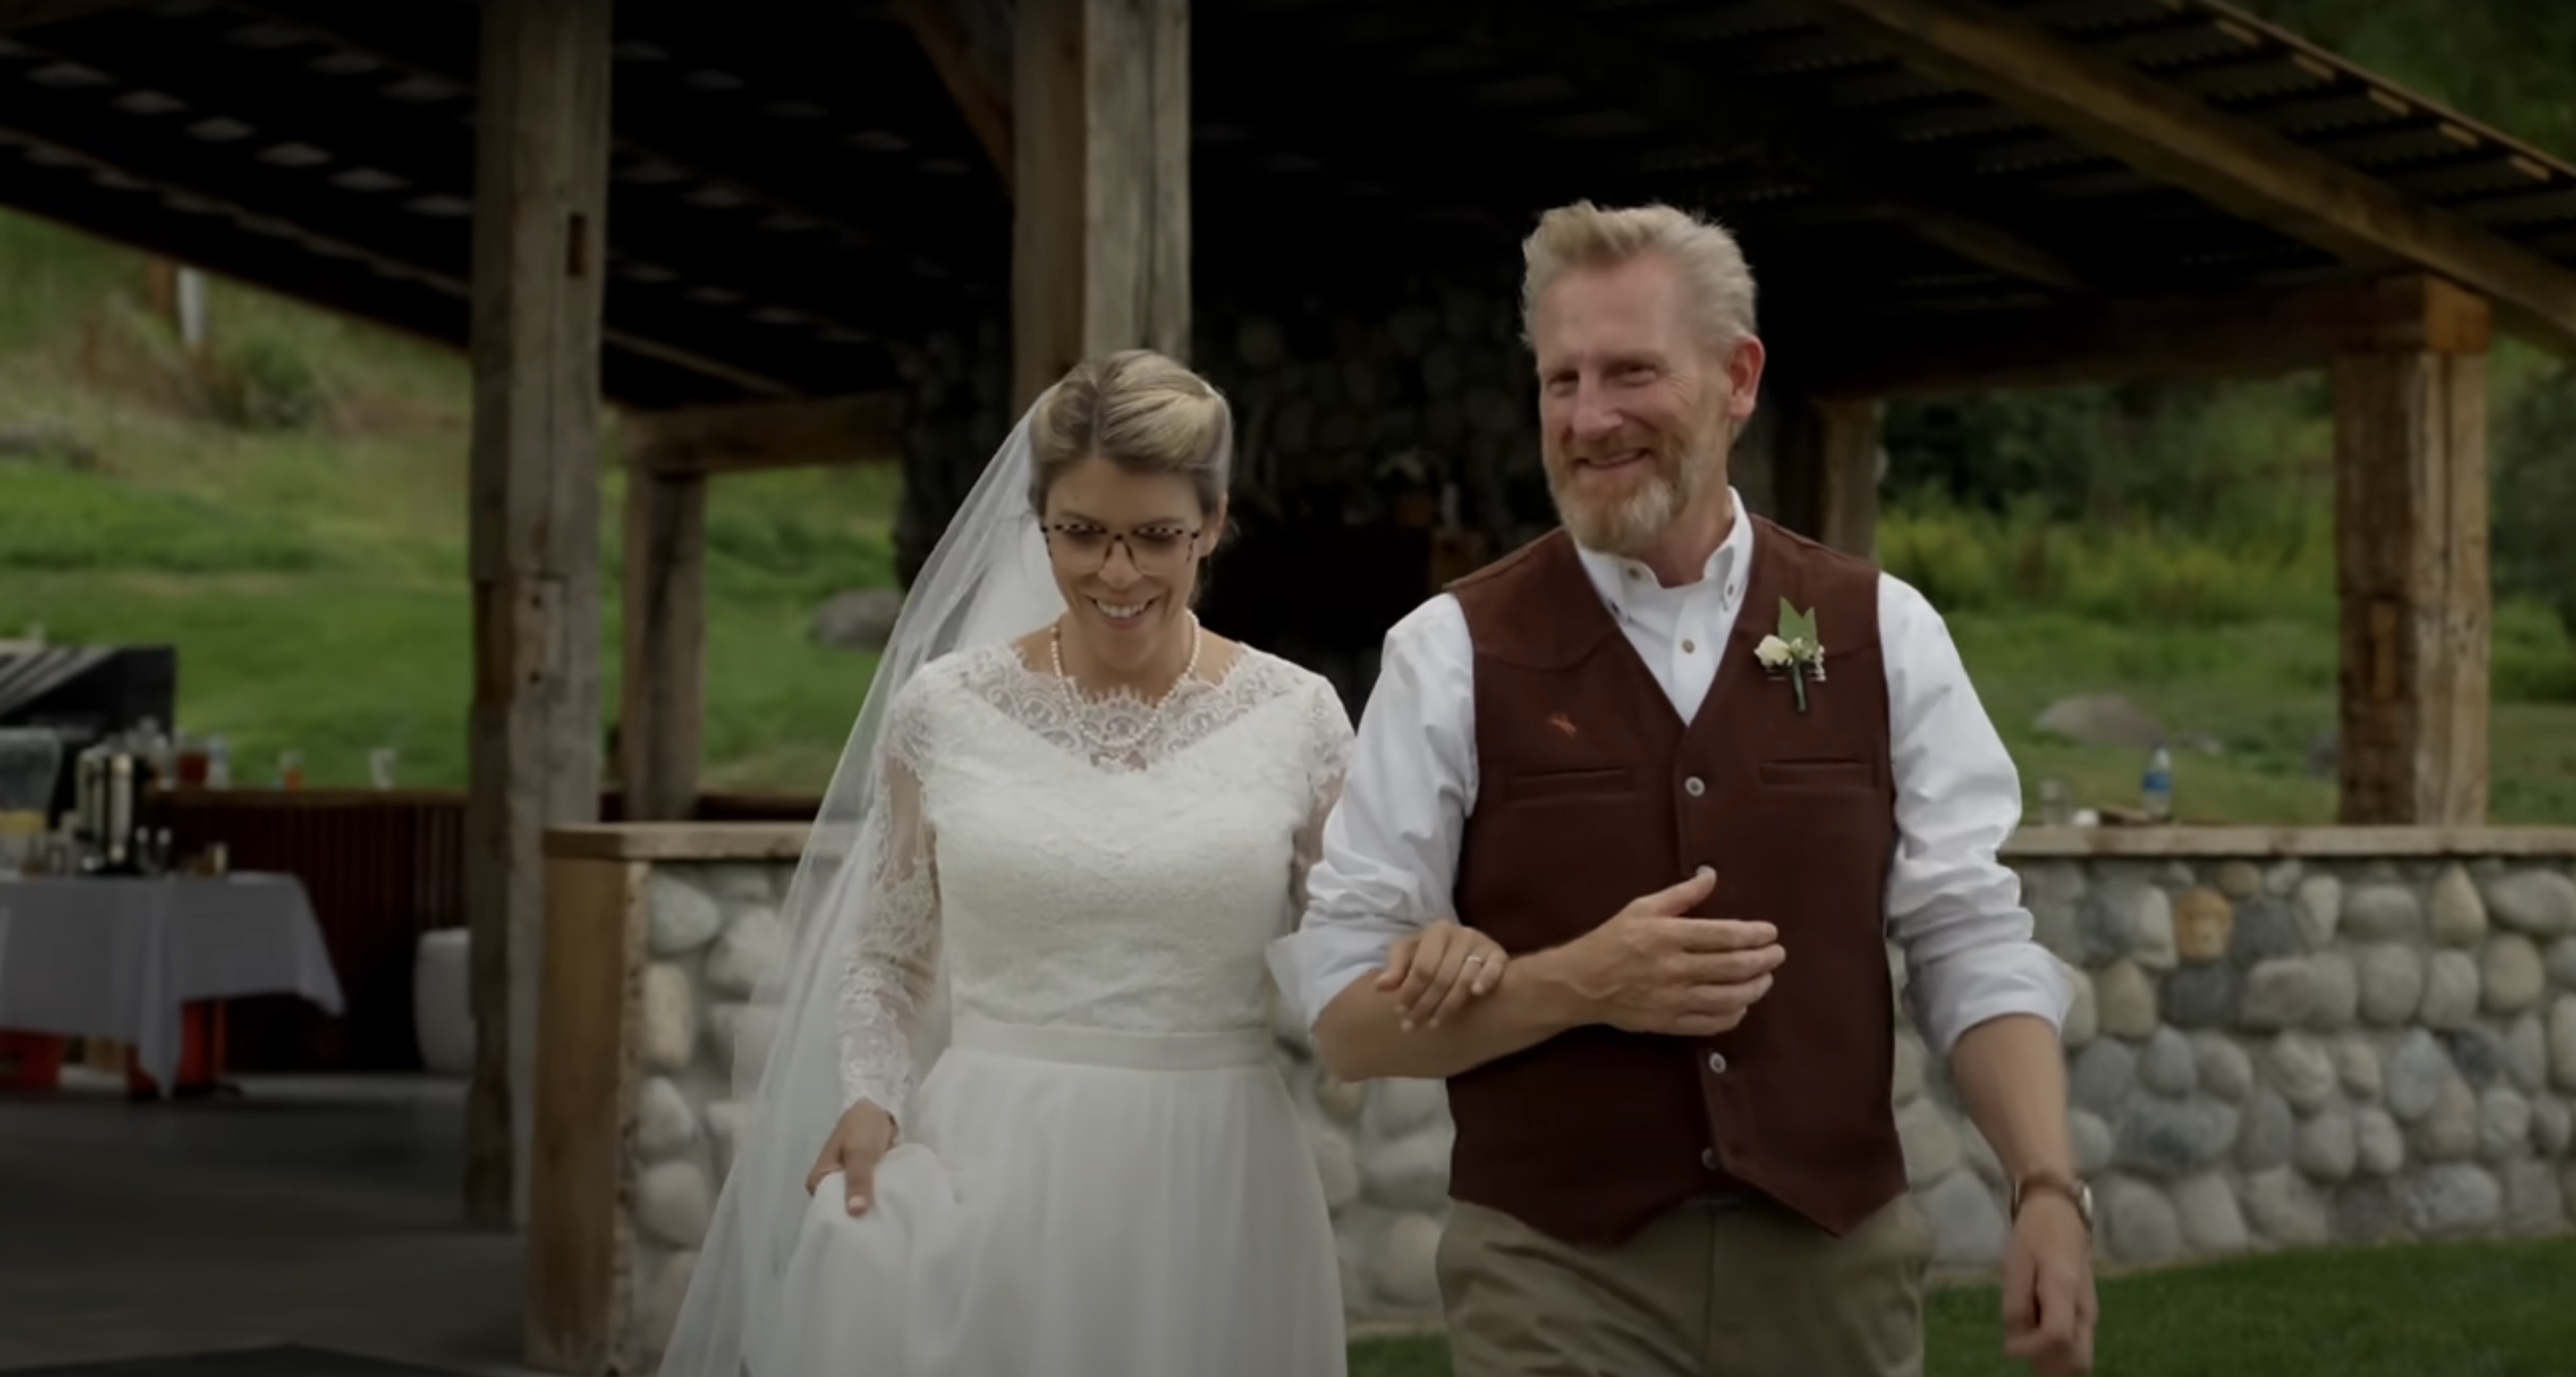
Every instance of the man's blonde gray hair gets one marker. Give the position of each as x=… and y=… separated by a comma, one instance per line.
x=1584, y=235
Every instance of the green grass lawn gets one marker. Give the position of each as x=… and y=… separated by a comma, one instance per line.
x=2425, y=1310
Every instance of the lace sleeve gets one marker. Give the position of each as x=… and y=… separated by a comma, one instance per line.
x=1328, y=762
x=893, y=953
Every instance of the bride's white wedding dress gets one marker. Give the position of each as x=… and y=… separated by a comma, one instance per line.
x=1103, y=1176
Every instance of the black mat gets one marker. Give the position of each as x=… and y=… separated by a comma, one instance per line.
x=251, y=1362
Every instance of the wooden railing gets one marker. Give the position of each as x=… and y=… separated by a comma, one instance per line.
x=382, y=867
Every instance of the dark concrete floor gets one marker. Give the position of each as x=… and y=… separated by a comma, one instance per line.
x=315, y=1211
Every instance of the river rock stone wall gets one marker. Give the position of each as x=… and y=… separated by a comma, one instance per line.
x=2262, y=1054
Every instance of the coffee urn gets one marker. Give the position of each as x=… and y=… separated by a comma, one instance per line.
x=108, y=810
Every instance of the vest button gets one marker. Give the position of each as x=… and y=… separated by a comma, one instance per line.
x=1717, y=1063
x=1694, y=787
x=1708, y=1158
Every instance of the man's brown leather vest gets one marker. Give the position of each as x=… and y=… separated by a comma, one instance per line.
x=1592, y=791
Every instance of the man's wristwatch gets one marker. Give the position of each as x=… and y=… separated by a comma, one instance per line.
x=2055, y=1183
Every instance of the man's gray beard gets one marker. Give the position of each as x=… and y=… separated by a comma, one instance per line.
x=1633, y=525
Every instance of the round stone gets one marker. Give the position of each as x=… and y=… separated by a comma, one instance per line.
x=2083, y=1012
x=2287, y=1209
x=2562, y=963
x=2167, y=1065
x=2092, y=1141
x=1967, y=1222
x=2562, y=1042
x=1410, y=1173
x=2204, y=923
x=2152, y=930
x=2139, y=1224
x=1337, y=1166
x=2553, y=1127
x=2392, y=984
x=2167, y=1140
x=2266, y=1137
x=2284, y=876
x=2357, y=1067
x=673, y=1202
x=2279, y=993
x=665, y=1125
x=2417, y=1070
x=2539, y=902
x=2504, y=1125
x=2459, y=916
x=2511, y=973
x=2380, y=1143
x=2127, y=997
x=2533, y=1204
x=2450, y=1198
x=752, y=949
x=2203, y=995
x=679, y=916
x=2239, y=879
x=2225, y=1070
x=2450, y=1132
x=1341, y=1100
x=2302, y=1070
x=2336, y=1002
x=2263, y=931
x=2212, y=1225
x=2320, y=910
x=1405, y=1105
x=2383, y=913
x=2102, y=1077
x=1406, y=1268
x=1930, y=1142
x=2329, y=1146
x=667, y=1021
x=2450, y=991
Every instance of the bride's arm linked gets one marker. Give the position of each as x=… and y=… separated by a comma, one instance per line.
x=1387, y=863
x=891, y=961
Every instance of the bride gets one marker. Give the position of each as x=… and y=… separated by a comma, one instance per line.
x=1067, y=825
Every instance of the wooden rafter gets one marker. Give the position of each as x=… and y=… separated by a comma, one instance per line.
x=766, y=435
x=2246, y=335
x=2235, y=163
x=951, y=51
x=1738, y=106
x=30, y=14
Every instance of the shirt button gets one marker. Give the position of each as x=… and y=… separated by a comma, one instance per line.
x=1690, y=647
x=1693, y=787
x=1717, y=1063
x=1708, y=1158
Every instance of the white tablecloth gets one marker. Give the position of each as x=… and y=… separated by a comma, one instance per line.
x=117, y=958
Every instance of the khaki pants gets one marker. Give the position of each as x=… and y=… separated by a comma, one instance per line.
x=1710, y=1290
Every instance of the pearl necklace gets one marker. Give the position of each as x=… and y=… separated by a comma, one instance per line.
x=1151, y=718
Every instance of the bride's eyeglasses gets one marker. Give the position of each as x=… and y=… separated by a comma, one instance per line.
x=1083, y=547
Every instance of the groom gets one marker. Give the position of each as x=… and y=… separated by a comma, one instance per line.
x=1675, y=1152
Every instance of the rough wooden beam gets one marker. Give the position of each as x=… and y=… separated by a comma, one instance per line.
x=540, y=206
x=2255, y=335
x=31, y=14
x=1101, y=242
x=662, y=692
x=2411, y=577
x=1824, y=469
x=2236, y=164
x=951, y=50
x=1733, y=107
x=861, y=429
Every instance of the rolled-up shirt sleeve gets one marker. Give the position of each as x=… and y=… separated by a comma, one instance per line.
x=1390, y=847
x=1953, y=907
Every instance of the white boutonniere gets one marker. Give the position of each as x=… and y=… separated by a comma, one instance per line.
x=1794, y=651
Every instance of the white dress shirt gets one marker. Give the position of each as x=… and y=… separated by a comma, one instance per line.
x=1390, y=853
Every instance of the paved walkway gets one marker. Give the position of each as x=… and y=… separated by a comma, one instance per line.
x=312, y=1211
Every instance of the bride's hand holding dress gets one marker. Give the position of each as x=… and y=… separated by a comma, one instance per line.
x=859, y=1141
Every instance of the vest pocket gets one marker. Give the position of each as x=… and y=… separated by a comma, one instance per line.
x=1818, y=774
x=1555, y=784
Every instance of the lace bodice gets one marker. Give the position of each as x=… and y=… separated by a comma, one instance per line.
x=1132, y=885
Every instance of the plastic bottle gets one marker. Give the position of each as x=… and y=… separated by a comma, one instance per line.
x=2155, y=788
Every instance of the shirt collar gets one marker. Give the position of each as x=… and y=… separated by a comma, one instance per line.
x=1624, y=583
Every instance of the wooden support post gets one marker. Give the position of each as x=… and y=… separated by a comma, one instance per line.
x=1824, y=478
x=662, y=691
x=2411, y=567
x=541, y=164
x=1101, y=153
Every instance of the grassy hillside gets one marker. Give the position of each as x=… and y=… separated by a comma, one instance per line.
x=288, y=510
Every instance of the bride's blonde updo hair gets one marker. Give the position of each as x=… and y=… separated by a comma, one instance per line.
x=1139, y=410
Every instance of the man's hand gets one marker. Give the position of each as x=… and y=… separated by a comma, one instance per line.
x=1651, y=970
x=2049, y=1304
x=1437, y=970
